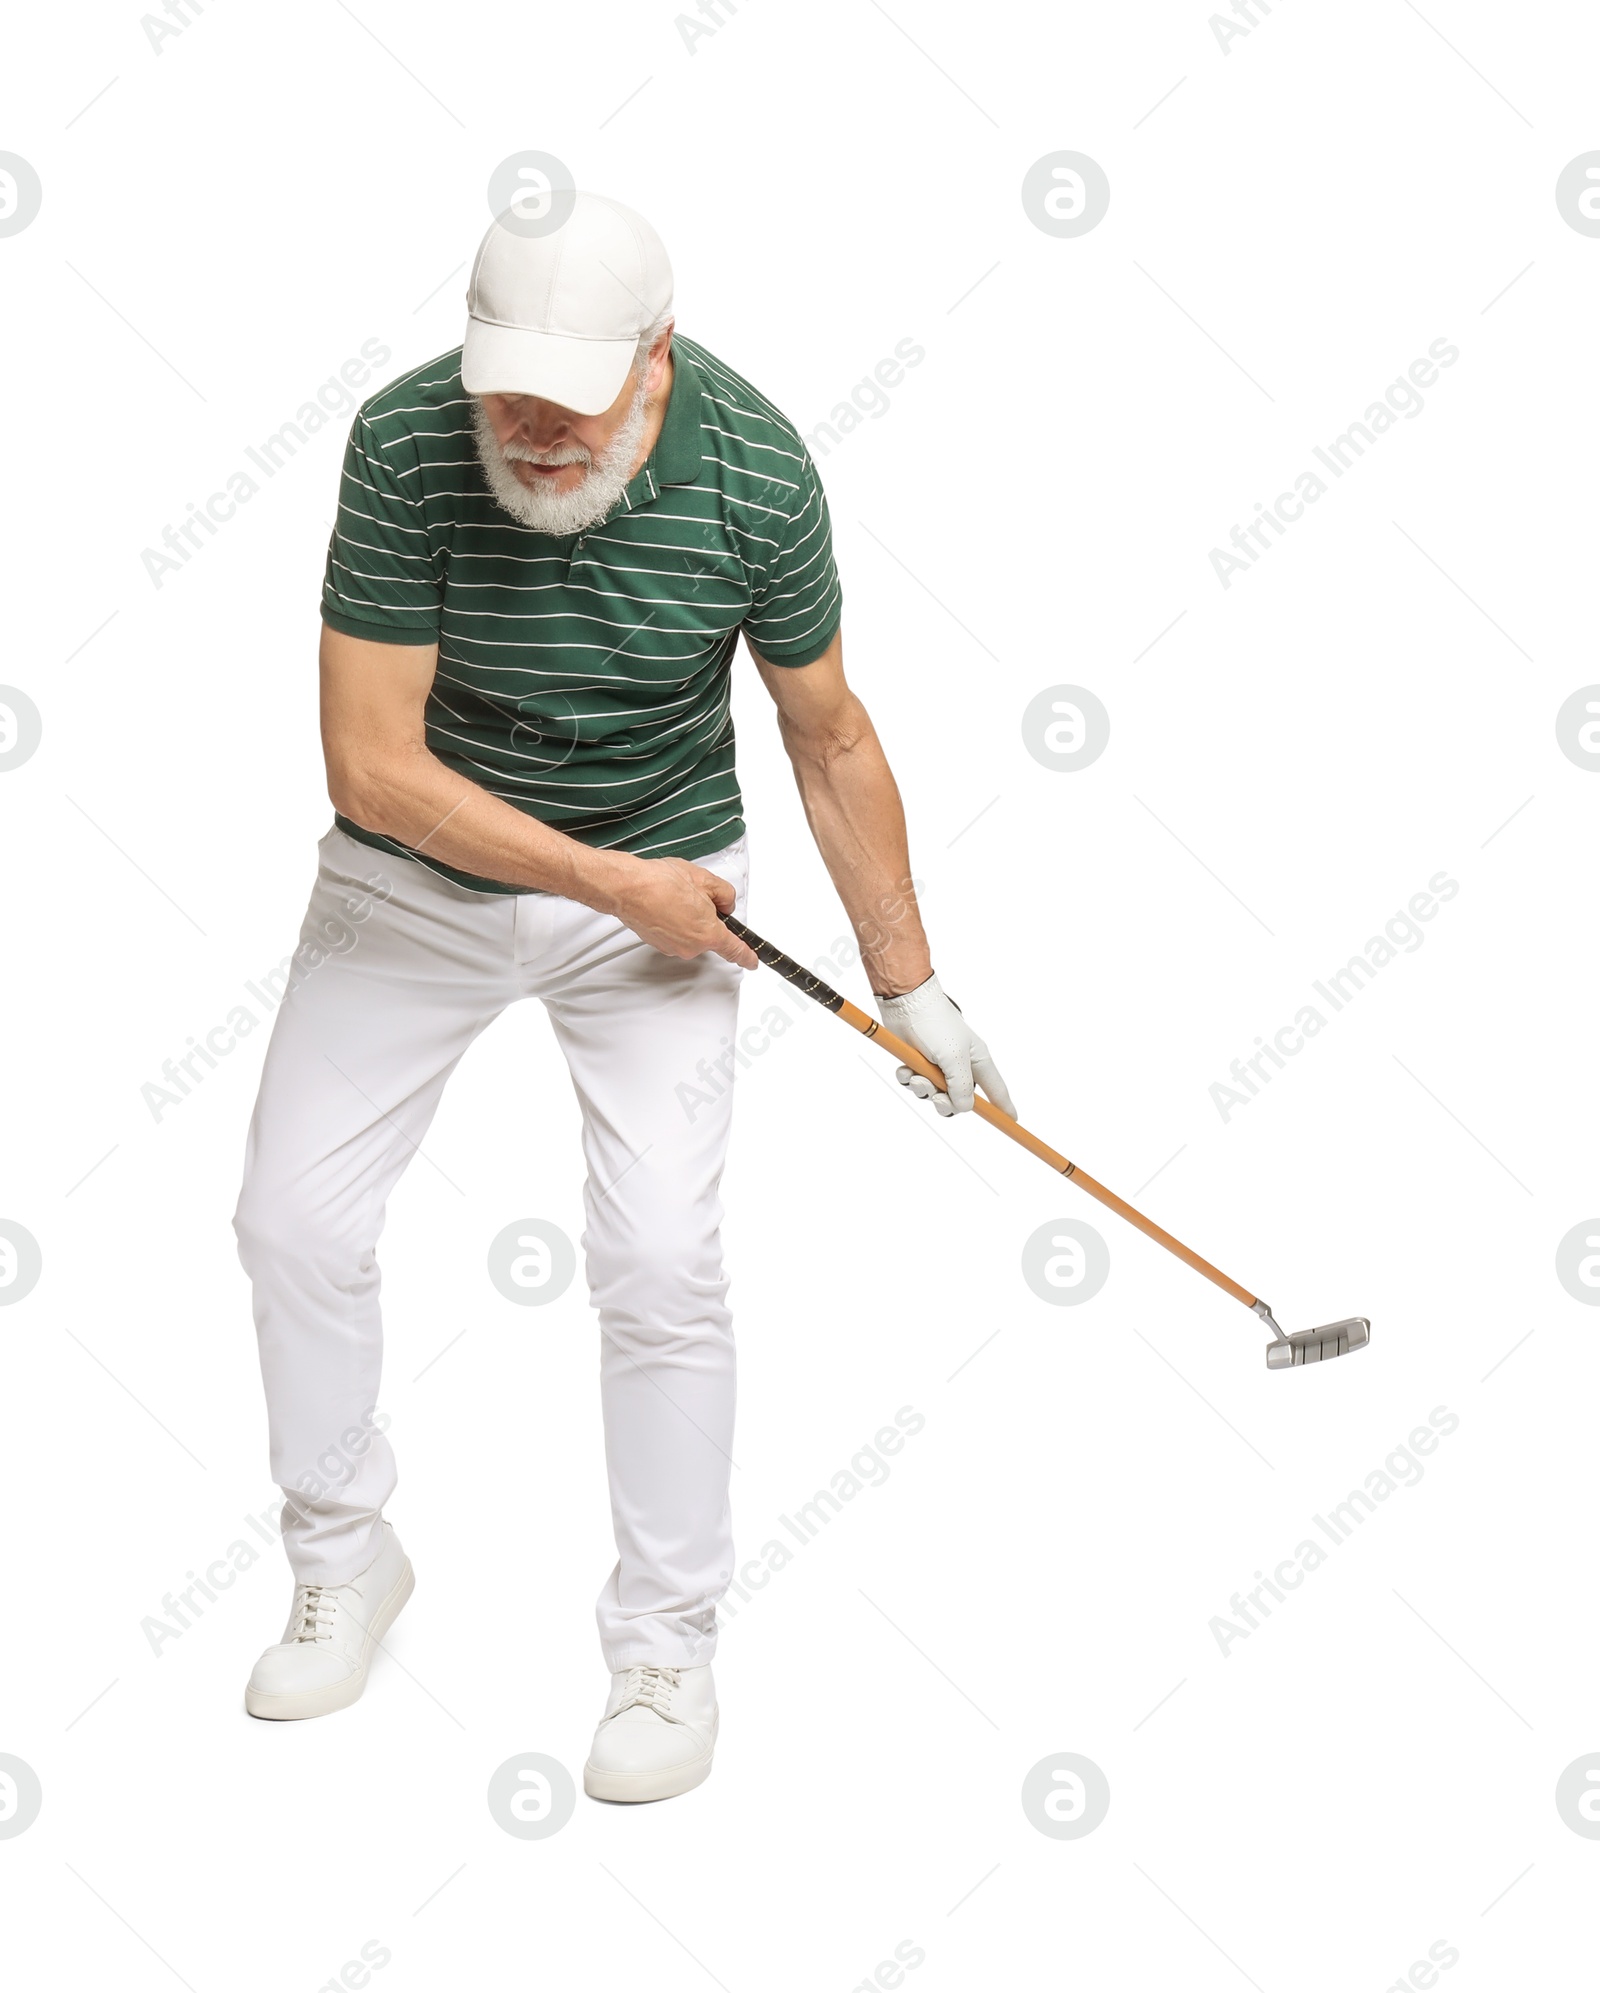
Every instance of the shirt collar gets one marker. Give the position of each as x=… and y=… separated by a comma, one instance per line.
x=676, y=456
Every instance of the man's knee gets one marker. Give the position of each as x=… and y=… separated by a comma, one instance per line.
x=276, y=1223
x=652, y=1274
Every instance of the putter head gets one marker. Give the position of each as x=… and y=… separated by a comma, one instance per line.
x=1313, y=1345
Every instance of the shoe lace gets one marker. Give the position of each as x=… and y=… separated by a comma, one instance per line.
x=650, y=1688
x=312, y=1617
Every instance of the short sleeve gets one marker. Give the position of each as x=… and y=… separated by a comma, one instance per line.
x=796, y=604
x=380, y=581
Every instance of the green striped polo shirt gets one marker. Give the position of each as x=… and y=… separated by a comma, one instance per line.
x=585, y=677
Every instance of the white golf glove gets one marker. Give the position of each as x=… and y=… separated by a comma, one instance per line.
x=926, y=1018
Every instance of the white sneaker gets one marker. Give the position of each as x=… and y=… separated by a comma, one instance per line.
x=656, y=1737
x=321, y=1663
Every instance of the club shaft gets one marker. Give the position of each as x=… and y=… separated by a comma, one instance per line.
x=907, y=1055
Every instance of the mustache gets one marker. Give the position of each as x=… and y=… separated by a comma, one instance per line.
x=520, y=453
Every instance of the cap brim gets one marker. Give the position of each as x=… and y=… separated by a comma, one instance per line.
x=585, y=375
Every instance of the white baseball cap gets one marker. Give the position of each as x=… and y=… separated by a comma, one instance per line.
x=555, y=309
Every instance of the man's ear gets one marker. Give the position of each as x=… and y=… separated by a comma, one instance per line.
x=659, y=352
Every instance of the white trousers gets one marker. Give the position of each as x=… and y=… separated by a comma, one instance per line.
x=390, y=989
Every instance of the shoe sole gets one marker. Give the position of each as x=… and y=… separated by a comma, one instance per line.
x=323, y=1702
x=632, y=1787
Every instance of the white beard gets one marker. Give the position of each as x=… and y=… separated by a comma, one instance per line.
x=561, y=512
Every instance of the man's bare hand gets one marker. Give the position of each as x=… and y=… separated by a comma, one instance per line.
x=674, y=904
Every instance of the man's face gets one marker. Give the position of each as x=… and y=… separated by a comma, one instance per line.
x=559, y=471
x=548, y=447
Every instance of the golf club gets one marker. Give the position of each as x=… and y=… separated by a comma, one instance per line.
x=1286, y=1353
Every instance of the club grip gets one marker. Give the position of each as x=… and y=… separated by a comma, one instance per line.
x=785, y=965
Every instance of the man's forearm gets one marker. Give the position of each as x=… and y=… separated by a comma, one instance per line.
x=853, y=806
x=419, y=802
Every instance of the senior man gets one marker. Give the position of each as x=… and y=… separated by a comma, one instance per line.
x=548, y=543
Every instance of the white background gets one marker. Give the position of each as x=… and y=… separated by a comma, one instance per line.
x=1372, y=1770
